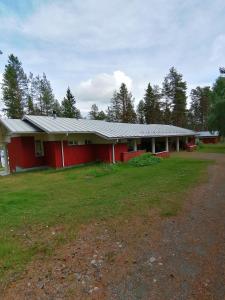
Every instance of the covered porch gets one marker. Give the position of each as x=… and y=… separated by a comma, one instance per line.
x=162, y=146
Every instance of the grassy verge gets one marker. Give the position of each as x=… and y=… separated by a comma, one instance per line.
x=212, y=148
x=39, y=210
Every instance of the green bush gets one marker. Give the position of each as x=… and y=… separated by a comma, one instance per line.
x=145, y=159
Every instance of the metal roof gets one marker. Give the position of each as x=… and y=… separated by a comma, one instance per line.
x=105, y=129
x=208, y=134
x=18, y=126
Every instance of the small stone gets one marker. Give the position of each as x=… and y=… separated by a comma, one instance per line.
x=78, y=276
x=152, y=259
x=53, y=232
x=160, y=264
x=28, y=284
x=95, y=255
x=95, y=289
x=154, y=280
x=94, y=262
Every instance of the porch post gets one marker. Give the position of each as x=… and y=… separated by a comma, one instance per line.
x=6, y=160
x=113, y=153
x=153, y=145
x=167, y=144
x=135, y=145
x=178, y=144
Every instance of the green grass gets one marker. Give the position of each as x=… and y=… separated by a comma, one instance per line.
x=40, y=210
x=212, y=148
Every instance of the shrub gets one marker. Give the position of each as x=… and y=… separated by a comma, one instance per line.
x=145, y=159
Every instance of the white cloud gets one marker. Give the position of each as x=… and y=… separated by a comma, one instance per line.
x=100, y=88
x=218, y=49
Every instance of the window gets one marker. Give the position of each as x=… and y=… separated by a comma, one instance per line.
x=72, y=142
x=87, y=142
x=39, y=148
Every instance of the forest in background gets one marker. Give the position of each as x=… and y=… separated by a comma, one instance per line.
x=166, y=104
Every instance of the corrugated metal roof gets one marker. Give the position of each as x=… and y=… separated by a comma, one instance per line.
x=208, y=134
x=106, y=129
x=18, y=126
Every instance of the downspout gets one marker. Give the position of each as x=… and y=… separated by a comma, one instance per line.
x=62, y=151
x=113, y=153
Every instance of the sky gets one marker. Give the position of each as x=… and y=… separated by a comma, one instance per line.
x=94, y=46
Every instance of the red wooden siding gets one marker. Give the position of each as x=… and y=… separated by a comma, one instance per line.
x=128, y=155
x=103, y=152
x=53, y=155
x=119, y=149
x=75, y=155
x=210, y=140
x=163, y=154
x=22, y=153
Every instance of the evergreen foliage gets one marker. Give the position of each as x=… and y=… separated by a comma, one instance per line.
x=121, y=108
x=217, y=106
x=152, y=105
x=68, y=107
x=141, y=112
x=95, y=114
x=14, y=88
x=199, y=108
x=175, y=99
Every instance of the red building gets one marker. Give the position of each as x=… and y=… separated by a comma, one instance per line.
x=39, y=141
x=207, y=137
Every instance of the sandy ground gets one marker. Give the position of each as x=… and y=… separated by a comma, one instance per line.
x=180, y=257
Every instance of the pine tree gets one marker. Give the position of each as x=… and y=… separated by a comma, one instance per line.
x=30, y=106
x=174, y=92
x=14, y=88
x=199, y=108
x=152, y=105
x=95, y=114
x=121, y=108
x=141, y=112
x=217, y=106
x=57, y=109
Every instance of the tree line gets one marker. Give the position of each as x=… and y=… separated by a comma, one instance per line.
x=167, y=104
x=32, y=95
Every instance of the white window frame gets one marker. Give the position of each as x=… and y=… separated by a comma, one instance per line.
x=39, y=148
x=73, y=143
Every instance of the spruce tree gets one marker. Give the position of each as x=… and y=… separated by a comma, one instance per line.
x=174, y=92
x=141, y=112
x=69, y=109
x=152, y=105
x=14, y=88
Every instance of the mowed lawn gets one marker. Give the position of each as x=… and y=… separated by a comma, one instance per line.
x=41, y=210
x=212, y=148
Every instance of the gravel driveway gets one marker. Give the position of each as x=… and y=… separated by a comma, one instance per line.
x=180, y=257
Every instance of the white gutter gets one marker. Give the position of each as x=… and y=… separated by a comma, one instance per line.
x=62, y=151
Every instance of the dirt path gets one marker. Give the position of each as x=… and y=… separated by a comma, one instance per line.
x=154, y=258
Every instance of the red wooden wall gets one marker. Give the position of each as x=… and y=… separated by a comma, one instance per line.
x=21, y=152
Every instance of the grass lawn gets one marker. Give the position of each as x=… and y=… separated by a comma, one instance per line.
x=34, y=205
x=212, y=148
